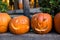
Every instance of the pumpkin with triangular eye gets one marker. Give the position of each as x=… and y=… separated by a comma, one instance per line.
x=41, y=23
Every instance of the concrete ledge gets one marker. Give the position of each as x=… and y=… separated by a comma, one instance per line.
x=30, y=36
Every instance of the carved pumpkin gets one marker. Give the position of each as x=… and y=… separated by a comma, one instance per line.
x=19, y=25
x=41, y=23
x=4, y=20
x=57, y=22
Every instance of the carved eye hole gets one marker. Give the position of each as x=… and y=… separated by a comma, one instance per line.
x=44, y=19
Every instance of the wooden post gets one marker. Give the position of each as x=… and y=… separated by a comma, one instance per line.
x=26, y=8
x=34, y=3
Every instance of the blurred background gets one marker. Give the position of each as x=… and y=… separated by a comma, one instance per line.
x=49, y=6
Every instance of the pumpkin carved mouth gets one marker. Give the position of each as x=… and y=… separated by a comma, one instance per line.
x=41, y=29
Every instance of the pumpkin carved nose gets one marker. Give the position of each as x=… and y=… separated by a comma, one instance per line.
x=44, y=19
x=42, y=23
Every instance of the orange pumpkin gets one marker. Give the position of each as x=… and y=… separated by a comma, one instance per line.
x=41, y=23
x=57, y=22
x=19, y=25
x=4, y=20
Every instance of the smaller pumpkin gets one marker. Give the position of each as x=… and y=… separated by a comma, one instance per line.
x=41, y=23
x=19, y=25
x=57, y=22
x=4, y=20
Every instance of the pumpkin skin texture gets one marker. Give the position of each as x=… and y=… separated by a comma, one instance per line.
x=4, y=20
x=57, y=22
x=41, y=23
x=19, y=25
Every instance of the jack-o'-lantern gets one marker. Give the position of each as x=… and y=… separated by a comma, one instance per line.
x=41, y=23
x=19, y=25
